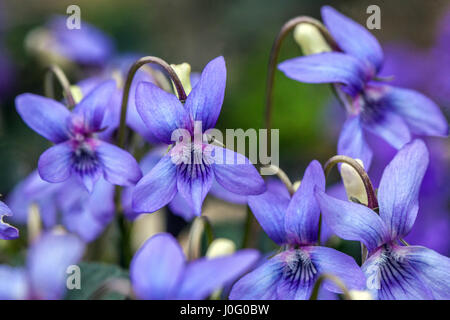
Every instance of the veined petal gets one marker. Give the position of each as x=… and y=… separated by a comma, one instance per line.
x=236, y=173
x=13, y=283
x=391, y=276
x=326, y=67
x=204, y=275
x=156, y=268
x=55, y=164
x=119, y=167
x=270, y=208
x=47, y=262
x=157, y=188
x=261, y=283
x=398, y=194
x=420, y=113
x=353, y=38
x=193, y=184
x=352, y=142
x=182, y=208
x=433, y=268
x=390, y=127
x=353, y=221
x=91, y=108
x=7, y=232
x=45, y=116
x=205, y=100
x=162, y=112
x=221, y=193
x=302, y=215
x=331, y=261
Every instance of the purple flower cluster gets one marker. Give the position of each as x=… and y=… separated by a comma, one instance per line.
x=77, y=182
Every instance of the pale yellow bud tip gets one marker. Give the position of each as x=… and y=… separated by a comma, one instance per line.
x=76, y=93
x=309, y=38
x=360, y=295
x=183, y=72
x=353, y=183
x=296, y=185
x=220, y=247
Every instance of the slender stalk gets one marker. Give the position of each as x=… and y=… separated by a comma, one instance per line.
x=126, y=90
x=372, y=202
x=55, y=71
x=200, y=226
x=274, y=53
x=336, y=280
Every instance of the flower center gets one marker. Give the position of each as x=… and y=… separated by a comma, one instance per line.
x=299, y=269
x=85, y=159
x=193, y=159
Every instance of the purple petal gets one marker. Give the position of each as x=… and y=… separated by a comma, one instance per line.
x=433, y=268
x=391, y=276
x=399, y=188
x=55, y=163
x=352, y=142
x=93, y=107
x=420, y=113
x=157, y=188
x=194, y=189
x=353, y=38
x=390, y=127
x=182, y=208
x=302, y=215
x=45, y=116
x=270, y=208
x=234, y=172
x=204, y=275
x=221, y=193
x=327, y=67
x=13, y=283
x=7, y=232
x=152, y=158
x=206, y=98
x=331, y=261
x=353, y=221
x=261, y=283
x=156, y=268
x=162, y=112
x=47, y=262
x=119, y=167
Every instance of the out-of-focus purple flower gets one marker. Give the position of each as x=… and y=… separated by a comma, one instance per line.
x=83, y=213
x=192, y=164
x=86, y=46
x=7, y=231
x=78, y=152
x=159, y=270
x=293, y=222
x=44, y=275
x=391, y=113
x=117, y=70
x=393, y=271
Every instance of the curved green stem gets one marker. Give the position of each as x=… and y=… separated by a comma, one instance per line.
x=200, y=226
x=336, y=280
x=126, y=90
x=287, y=27
x=55, y=71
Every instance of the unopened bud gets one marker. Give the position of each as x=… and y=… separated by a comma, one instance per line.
x=220, y=247
x=354, y=186
x=360, y=295
x=296, y=185
x=34, y=224
x=183, y=72
x=310, y=39
x=76, y=92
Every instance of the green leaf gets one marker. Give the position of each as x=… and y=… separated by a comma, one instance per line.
x=93, y=276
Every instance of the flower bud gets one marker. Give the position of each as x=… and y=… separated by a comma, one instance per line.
x=34, y=225
x=353, y=183
x=296, y=185
x=183, y=72
x=220, y=247
x=360, y=295
x=76, y=92
x=310, y=40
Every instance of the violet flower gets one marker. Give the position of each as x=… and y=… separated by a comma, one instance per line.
x=44, y=275
x=7, y=231
x=293, y=222
x=78, y=151
x=80, y=212
x=159, y=271
x=391, y=113
x=393, y=271
x=191, y=165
